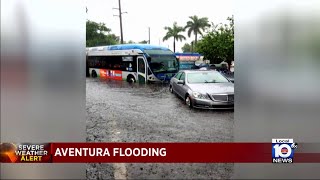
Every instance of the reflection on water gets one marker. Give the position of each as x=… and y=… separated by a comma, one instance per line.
x=135, y=88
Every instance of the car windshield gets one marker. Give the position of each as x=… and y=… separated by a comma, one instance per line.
x=206, y=77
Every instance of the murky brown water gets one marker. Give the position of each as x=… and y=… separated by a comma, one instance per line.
x=123, y=112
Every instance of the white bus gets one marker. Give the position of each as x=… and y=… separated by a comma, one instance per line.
x=132, y=62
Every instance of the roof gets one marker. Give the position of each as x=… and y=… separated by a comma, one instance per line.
x=187, y=54
x=134, y=52
x=142, y=47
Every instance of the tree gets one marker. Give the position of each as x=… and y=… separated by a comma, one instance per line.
x=98, y=34
x=129, y=42
x=133, y=42
x=174, y=32
x=196, y=26
x=144, y=42
x=186, y=48
x=218, y=44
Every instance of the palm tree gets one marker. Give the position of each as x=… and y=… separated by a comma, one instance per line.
x=197, y=26
x=174, y=32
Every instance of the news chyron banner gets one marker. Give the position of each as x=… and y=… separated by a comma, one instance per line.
x=278, y=150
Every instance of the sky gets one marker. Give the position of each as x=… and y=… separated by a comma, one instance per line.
x=156, y=14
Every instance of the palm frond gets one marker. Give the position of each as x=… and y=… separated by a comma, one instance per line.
x=190, y=31
x=166, y=37
x=180, y=37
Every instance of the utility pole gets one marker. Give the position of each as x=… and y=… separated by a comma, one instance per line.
x=149, y=35
x=120, y=17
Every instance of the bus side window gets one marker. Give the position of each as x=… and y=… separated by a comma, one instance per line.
x=110, y=62
x=134, y=64
x=126, y=66
x=97, y=62
x=94, y=62
x=116, y=66
x=118, y=63
x=103, y=62
x=100, y=59
x=90, y=61
x=109, y=66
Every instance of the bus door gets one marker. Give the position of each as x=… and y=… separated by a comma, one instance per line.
x=141, y=70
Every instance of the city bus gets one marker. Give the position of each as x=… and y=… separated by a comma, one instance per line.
x=132, y=62
x=188, y=60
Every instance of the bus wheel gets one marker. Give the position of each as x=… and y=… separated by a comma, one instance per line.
x=131, y=79
x=93, y=74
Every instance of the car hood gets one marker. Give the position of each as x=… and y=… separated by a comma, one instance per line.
x=213, y=88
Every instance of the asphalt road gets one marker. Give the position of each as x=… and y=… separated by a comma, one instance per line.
x=121, y=112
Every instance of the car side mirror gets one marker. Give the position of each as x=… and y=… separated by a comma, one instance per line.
x=180, y=82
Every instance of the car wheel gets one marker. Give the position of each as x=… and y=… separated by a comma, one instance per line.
x=170, y=89
x=188, y=101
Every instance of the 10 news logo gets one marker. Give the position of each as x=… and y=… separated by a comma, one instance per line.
x=283, y=150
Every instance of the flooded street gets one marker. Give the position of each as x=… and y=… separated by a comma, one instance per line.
x=121, y=112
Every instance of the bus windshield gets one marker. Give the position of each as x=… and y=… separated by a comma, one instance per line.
x=163, y=61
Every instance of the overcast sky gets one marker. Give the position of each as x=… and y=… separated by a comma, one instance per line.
x=156, y=14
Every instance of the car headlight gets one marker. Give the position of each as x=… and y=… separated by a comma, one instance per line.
x=199, y=95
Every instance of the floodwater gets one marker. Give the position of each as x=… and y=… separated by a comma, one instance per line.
x=121, y=112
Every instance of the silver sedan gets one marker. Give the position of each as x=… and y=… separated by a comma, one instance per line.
x=205, y=89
